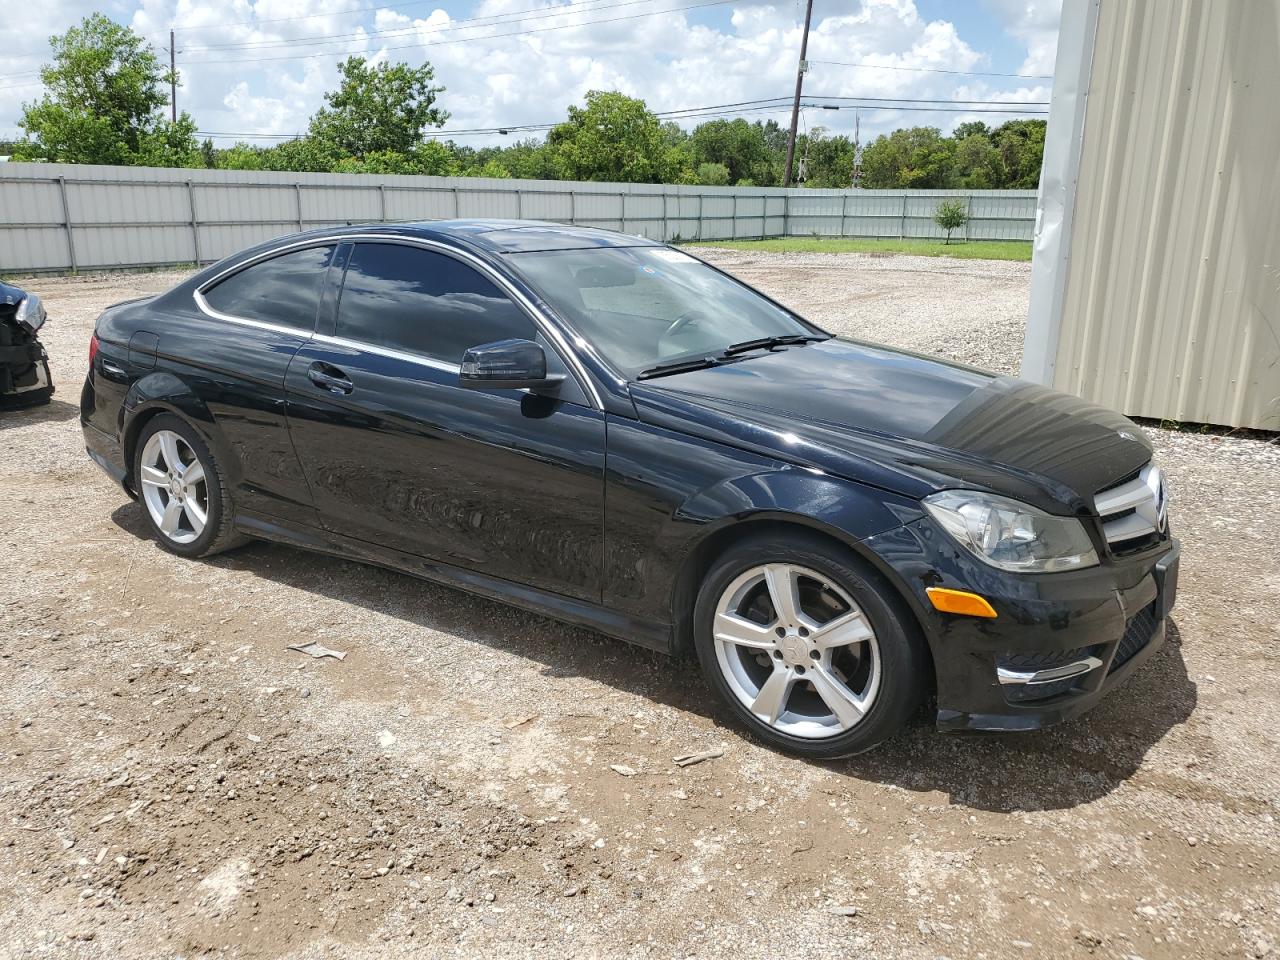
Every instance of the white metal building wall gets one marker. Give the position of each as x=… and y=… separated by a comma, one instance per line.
x=1169, y=306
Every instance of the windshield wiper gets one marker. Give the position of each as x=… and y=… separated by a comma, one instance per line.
x=768, y=343
x=678, y=366
x=727, y=355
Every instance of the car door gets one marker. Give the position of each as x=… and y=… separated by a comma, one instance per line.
x=503, y=482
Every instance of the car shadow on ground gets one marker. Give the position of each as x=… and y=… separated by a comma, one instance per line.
x=1062, y=767
x=13, y=413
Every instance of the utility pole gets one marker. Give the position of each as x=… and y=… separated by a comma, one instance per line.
x=173, y=79
x=795, y=106
x=857, y=149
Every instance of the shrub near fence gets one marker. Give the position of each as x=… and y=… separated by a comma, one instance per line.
x=60, y=217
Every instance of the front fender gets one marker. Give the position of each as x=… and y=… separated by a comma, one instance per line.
x=848, y=512
x=851, y=510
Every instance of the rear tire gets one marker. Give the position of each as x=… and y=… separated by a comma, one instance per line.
x=809, y=647
x=180, y=487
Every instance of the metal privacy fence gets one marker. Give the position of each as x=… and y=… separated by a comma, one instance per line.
x=62, y=217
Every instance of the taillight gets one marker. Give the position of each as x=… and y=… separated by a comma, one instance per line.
x=93, y=349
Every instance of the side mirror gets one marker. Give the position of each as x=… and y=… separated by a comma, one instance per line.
x=507, y=365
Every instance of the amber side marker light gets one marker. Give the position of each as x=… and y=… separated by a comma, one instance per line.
x=961, y=602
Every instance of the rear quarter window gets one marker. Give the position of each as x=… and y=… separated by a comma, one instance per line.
x=284, y=291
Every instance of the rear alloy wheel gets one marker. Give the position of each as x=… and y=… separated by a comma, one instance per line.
x=175, y=489
x=179, y=483
x=808, y=645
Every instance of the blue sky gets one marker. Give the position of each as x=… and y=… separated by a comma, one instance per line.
x=252, y=70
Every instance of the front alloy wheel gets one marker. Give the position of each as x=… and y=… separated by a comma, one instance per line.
x=796, y=650
x=174, y=487
x=810, y=647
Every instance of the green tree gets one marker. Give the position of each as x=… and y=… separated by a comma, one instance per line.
x=829, y=160
x=377, y=109
x=970, y=128
x=103, y=96
x=712, y=174
x=915, y=158
x=951, y=215
x=615, y=138
x=737, y=145
x=426, y=158
x=1021, y=146
x=530, y=160
x=978, y=164
x=491, y=168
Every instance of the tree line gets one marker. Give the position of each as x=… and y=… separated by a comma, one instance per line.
x=106, y=92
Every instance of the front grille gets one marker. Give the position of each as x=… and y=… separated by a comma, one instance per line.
x=1134, y=512
x=1138, y=631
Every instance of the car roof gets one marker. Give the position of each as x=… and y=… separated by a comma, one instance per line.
x=499, y=236
x=524, y=236
x=486, y=237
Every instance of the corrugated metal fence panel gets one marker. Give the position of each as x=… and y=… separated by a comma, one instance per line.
x=141, y=216
x=1171, y=306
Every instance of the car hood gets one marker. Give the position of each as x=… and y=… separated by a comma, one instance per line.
x=905, y=422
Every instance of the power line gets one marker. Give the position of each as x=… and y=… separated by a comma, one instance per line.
x=726, y=109
x=380, y=6
x=492, y=36
x=775, y=105
x=960, y=73
x=496, y=20
x=1030, y=103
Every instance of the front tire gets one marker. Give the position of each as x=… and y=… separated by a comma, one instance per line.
x=808, y=646
x=181, y=490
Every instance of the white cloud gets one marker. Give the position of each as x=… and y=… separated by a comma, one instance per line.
x=533, y=77
x=1034, y=23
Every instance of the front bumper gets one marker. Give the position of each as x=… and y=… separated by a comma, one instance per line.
x=1060, y=642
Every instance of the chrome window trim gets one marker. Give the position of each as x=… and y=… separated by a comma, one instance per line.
x=540, y=320
x=382, y=351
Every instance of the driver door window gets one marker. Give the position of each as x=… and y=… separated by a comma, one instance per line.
x=425, y=303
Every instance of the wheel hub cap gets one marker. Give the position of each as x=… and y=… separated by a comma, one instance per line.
x=795, y=651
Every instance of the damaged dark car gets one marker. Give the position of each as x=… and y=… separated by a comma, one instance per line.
x=614, y=432
x=24, y=365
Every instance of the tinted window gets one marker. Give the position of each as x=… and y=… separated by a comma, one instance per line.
x=284, y=290
x=412, y=299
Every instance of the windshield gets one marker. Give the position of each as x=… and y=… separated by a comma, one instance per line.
x=640, y=307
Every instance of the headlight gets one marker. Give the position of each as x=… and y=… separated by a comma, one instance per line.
x=30, y=313
x=1011, y=535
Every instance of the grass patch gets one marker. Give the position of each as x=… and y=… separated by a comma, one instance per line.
x=960, y=249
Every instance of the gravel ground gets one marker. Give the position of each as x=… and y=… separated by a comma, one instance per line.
x=475, y=781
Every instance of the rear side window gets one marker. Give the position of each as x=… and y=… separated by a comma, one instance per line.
x=284, y=290
x=427, y=303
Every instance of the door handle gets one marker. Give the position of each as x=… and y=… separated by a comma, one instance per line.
x=329, y=378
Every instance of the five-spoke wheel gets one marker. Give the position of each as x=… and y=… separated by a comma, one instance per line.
x=179, y=482
x=807, y=645
x=796, y=650
x=173, y=486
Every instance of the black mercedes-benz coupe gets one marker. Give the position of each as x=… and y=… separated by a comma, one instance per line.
x=611, y=431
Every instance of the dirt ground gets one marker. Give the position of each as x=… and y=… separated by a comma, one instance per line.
x=179, y=784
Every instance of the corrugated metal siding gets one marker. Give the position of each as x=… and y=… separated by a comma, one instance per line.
x=141, y=216
x=1172, y=298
